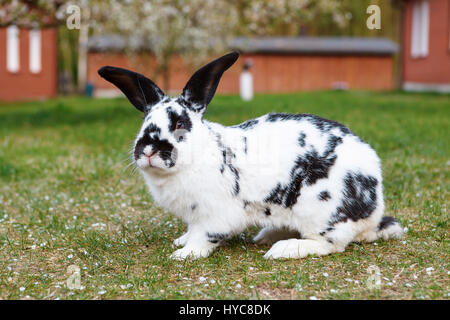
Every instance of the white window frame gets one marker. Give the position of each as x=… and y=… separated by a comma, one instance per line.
x=12, y=49
x=35, y=51
x=420, y=28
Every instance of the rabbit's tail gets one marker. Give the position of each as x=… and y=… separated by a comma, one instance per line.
x=390, y=228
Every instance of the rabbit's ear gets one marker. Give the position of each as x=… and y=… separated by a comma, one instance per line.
x=201, y=87
x=142, y=92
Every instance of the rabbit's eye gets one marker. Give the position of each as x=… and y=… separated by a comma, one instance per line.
x=180, y=125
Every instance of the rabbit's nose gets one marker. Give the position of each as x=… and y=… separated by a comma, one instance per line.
x=148, y=151
x=149, y=157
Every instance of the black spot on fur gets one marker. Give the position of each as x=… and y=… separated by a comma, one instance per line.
x=164, y=148
x=152, y=128
x=326, y=125
x=301, y=139
x=307, y=169
x=183, y=102
x=166, y=151
x=227, y=155
x=145, y=140
x=216, y=237
x=386, y=222
x=249, y=124
x=324, y=196
x=246, y=203
x=359, y=198
x=276, y=195
x=321, y=123
x=244, y=139
x=315, y=167
x=227, y=163
x=193, y=206
x=333, y=142
x=174, y=117
x=329, y=229
x=236, y=186
x=142, y=143
x=267, y=212
x=273, y=117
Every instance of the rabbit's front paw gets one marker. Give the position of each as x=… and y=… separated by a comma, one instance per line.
x=191, y=253
x=181, y=241
x=299, y=248
x=284, y=249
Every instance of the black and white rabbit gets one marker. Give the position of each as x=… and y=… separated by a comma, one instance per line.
x=312, y=184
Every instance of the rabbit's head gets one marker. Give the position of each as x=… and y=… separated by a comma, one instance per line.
x=169, y=123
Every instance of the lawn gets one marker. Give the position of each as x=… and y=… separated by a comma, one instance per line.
x=68, y=197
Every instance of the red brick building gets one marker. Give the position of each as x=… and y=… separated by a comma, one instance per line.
x=426, y=45
x=28, y=63
x=281, y=64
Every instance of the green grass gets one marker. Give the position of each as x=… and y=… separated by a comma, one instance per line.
x=67, y=198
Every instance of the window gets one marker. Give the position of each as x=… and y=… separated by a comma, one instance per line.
x=35, y=51
x=12, y=49
x=420, y=29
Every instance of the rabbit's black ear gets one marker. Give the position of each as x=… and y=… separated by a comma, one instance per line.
x=201, y=87
x=142, y=92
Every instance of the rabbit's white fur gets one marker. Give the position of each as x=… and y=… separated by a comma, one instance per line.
x=312, y=184
x=205, y=197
